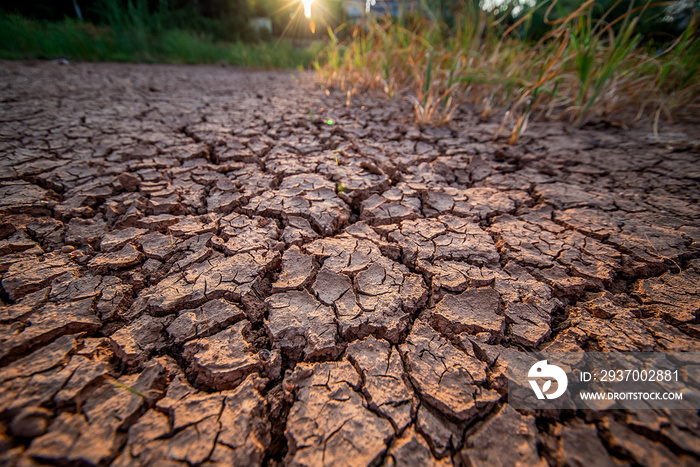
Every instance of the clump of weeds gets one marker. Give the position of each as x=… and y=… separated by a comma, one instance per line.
x=585, y=67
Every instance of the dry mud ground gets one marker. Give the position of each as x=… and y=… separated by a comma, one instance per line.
x=195, y=270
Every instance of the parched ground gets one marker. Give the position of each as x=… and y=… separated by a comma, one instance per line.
x=198, y=269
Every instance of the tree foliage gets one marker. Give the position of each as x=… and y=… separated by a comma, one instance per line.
x=659, y=21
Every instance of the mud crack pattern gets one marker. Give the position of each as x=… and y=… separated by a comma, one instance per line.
x=197, y=272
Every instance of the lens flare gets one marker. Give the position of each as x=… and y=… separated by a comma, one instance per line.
x=307, y=7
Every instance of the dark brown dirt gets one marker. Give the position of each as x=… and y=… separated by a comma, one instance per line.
x=196, y=271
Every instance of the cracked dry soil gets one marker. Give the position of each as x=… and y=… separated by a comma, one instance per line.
x=196, y=271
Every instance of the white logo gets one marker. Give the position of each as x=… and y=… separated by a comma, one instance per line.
x=542, y=370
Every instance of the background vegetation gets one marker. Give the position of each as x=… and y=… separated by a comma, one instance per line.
x=175, y=31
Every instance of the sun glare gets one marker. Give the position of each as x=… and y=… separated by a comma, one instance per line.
x=322, y=15
x=307, y=7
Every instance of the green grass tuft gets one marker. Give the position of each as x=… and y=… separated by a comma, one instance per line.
x=586, y=66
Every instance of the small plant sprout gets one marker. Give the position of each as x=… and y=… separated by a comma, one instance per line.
x=151, y=394
x=341, y=188
x=329, y=122
x=128, y=388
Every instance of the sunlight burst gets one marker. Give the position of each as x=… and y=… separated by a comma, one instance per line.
x=307, y=7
